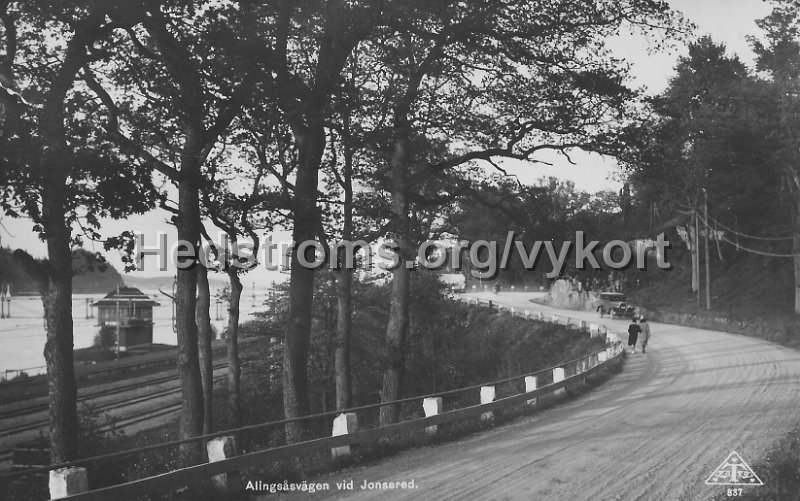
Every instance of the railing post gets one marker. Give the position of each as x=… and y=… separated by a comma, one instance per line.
x=576, y=379
x=343, y=424
x=432, y=407
x=218, y=449
x=67, y=482
x=487, y=396
x=559, y=374
x=531, y=383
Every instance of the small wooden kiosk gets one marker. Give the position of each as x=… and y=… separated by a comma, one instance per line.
x=131, y=311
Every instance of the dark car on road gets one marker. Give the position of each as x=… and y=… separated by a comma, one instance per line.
x=614, y=304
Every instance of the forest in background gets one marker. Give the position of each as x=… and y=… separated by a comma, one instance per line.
x=90, y=274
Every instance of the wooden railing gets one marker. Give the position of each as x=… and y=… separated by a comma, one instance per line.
x=572, y=372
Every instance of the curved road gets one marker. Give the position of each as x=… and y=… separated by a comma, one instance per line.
x=656, y=431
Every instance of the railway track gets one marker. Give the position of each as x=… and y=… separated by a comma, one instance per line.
x=119, y=423
x=91, y=378
x=130, y=418
x=96, y=394
x=142, y=417
x=122, y=421
x=7, y=457
x=6, y=432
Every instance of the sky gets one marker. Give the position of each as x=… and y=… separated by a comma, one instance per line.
x=727, y=21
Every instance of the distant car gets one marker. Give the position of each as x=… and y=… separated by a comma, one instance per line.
x=614, y=304
x=454, y=281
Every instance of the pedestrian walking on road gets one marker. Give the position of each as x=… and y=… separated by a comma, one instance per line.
x=633, y=334
x=645, y=334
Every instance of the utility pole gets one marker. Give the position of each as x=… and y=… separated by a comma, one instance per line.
x=696, y=260
x=118, y=320
x=174, y=304
x=708, y=261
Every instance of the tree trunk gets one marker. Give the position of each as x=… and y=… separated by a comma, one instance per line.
x=234, y=366
x=188, y=225
x=344, y=327
x=344, y=305
x=796, y=251
x=58, y=352
x=205, y=335
x=397, y=330
x=693, y=238
x=311, y=144
x=54, y=169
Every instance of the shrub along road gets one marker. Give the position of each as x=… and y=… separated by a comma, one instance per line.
x=657, y=430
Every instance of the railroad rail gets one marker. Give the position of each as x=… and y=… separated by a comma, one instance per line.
x=38, y=407
x=8, y=431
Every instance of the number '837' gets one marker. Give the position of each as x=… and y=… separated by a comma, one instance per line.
x=734, y=492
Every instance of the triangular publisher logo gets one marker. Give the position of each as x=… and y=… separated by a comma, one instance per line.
x=734, y=471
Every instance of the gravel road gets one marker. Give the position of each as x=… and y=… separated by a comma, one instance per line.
x=656, y=431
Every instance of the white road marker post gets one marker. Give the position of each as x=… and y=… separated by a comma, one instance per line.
x=531, y=384
x=487, y=396
x=432, y=407
x=343, y=424
x=68, y=481
x=559, y=374
x=218, y=449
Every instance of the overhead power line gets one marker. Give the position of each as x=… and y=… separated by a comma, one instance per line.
x=756, y=251
x=753, y=237
x=739, y=246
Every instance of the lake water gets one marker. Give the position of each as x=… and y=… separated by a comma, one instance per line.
x=22, y=337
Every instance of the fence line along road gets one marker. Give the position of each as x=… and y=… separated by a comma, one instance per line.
x=224, y=463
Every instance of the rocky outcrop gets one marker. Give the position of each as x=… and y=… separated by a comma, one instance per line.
x=563, y=294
